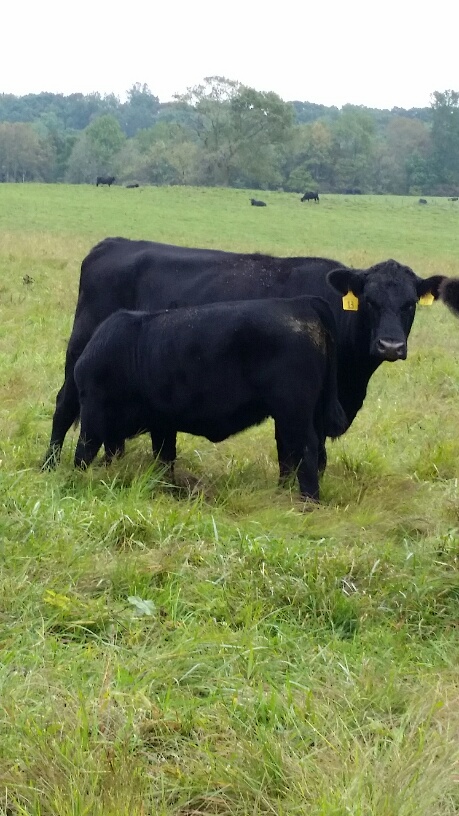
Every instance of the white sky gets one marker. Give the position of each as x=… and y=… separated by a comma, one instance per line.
x=394, y=53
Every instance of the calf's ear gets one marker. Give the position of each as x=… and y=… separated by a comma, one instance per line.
x=449, y=293
x=346, y=280
x=429, y=286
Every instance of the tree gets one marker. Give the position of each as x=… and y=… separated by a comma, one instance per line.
x=82, y=165
x=392, y=165
x=24, y=155
x=50, y=127
x=234, y=125
x=106, y=139
x=352, y=147
x=309, y=158
x=445, y=137
x=141, y=109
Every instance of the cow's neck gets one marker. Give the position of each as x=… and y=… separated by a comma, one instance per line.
x=355, y=367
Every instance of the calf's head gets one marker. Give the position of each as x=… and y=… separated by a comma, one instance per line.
x=387, y=295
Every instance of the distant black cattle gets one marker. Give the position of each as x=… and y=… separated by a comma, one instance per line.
x=352, y=191
x=454, y=198
x=119, y=273
x=131, y=186
x=213, y=371
x=255, y=203
x=310, y=196
x=105, y=180
x=422, y=201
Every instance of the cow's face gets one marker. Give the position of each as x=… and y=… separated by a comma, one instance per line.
x=388, y=293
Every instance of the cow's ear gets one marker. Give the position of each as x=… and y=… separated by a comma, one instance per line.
x=346, y=280
x=449, y=293
x=429, y=286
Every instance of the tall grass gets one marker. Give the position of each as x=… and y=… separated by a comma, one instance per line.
x=216, y=650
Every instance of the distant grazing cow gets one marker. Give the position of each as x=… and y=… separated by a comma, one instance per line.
x=255, y=203
x=310, y=196
x=119, y=273
x=131, y=186
x=213, y=371
x=422, y=201
x=105, y=180
x=454, y=198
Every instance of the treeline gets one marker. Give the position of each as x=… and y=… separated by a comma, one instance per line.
x=224, y=133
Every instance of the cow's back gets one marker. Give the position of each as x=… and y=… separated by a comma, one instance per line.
x=119, y=273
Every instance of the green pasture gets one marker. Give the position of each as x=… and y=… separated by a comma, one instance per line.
x=214, y=649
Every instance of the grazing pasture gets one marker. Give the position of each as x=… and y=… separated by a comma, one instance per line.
x=214, y=649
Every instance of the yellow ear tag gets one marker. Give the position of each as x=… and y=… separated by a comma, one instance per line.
x=350, y=302
x=427, y=299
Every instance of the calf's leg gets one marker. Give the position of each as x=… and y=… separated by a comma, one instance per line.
x=92, y=434
x=300, y=446
x=164, y=446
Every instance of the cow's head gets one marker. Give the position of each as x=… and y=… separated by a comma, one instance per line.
x=387, y=296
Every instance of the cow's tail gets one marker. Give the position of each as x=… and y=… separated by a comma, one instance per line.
x=335, y=421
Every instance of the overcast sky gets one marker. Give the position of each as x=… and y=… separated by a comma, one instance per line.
x=394, y=53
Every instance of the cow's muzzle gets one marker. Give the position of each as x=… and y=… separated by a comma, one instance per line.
x=391, y=350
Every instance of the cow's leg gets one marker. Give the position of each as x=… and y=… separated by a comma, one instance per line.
x=92, y=433
x=114, y=429
x=114, y=449
x=322, y=451
x=67, y=403
x=86, y=450
x=286, y=464
x=308, y=468
x=301, y=448
x=66, y=413
x=164, y=445
x=322, y=457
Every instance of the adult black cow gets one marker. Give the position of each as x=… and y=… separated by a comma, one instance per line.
x=105, y=180
x=310, y=195
x=119, y=273
x=257, y=203
x=213, y=371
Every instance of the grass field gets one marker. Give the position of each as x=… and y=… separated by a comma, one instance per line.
x=224, y=652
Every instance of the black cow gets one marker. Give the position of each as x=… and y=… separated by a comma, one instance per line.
x=310, y=196
x=449, y=293
x=213, y=371
x=131, y=186
x=105, y=180
x=454, y=198
x=422, y=201
x=119, y=273
x=255, y=203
